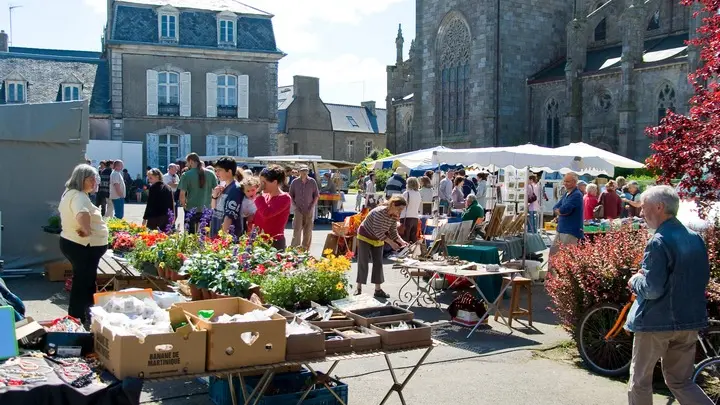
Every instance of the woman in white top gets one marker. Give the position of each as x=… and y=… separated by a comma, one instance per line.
x=370, y=201
x=84, y=238
x=426, y=190
x=481, y=194
x=411, y=214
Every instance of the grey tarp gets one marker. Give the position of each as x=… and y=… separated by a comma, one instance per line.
x=39, y=146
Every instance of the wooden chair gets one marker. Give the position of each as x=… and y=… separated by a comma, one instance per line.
x=519, y=284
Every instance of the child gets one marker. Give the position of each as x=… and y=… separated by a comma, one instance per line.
x=250, y=186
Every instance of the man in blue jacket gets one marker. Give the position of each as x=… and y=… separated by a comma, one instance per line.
x=569, y=211
x=670, y=307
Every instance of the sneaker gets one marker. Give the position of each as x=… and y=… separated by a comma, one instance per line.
x=381, y=294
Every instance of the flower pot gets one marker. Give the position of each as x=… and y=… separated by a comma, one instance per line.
x=206, y=294
x=196, y=293
x=162, y=273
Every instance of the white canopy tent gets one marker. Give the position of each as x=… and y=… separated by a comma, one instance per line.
x=586, y=151
x=537, y=158
x=408, y=160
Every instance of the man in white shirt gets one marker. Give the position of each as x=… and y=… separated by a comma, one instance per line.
x=445, y=189
x=172, y=180
x=117, y=189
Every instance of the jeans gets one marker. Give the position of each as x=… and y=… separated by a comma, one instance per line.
x=532, y=222
x=84, y=261
x=677, y=351
x=119, y=207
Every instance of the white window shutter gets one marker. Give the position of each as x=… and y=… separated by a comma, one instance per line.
x=243, y=96
x=185, y=91
x=185, y=145
x=151, y=150
x=211, y=94
x=242, y=146
x=211, y=145
x=152, y=92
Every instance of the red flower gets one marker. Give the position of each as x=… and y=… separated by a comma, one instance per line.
x=349, y=255
x=181, y=256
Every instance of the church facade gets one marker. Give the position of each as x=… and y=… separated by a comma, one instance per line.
x=549, y=72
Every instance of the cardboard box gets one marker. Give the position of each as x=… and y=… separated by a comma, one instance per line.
x=124, y=282
x=337, y=346
x=420, y=336
x=362, y=343
x=58, y=271
x=306, y=347
x=225, y=347
x=368, y=316
x=282, y=312
x=162, y=355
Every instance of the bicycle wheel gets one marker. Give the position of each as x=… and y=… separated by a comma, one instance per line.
x=707, y=377
x=708, y=343
x=609, y=357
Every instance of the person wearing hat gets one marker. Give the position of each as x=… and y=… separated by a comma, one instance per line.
x=582, y=186
x=304, y=193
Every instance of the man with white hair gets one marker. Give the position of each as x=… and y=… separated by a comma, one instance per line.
x=172, y=180
x=569, y=211
x=670, y=307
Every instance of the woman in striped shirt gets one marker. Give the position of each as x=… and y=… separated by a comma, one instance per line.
x=380, y=225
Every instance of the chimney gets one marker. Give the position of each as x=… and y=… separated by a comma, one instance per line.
x=4, y=42
x=306, y=87
x=370, y=105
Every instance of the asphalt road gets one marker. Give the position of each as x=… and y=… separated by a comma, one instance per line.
x=491, y=367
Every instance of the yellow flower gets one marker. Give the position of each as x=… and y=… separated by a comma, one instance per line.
x=162, y=265
x=327, y=252
x=340, y=286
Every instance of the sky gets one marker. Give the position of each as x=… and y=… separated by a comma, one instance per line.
x=346, y=43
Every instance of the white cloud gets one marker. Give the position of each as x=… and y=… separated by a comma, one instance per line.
x=346, y=79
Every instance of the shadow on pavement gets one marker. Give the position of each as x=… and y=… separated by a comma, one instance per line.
x=36, y=288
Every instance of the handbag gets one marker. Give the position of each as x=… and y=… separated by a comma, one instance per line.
x=599, y=210
x=532, y=197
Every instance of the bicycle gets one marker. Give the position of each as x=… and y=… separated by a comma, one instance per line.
x=606, y=347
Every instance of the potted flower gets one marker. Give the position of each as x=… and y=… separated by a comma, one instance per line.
x=123, y=243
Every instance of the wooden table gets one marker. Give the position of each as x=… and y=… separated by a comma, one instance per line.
x=427, y=293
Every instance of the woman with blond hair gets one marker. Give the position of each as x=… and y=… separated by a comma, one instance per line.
x=411, y=214
x=379, y=226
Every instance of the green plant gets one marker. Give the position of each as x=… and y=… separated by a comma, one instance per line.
x=363, y=168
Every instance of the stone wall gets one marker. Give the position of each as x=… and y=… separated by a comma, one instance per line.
x=601, y=99
x=540, y=94
x=403, y=128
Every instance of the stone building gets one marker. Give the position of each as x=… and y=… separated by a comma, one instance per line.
x=29, y=75
x=549, y=73
x=309, y=126
x=179, y=75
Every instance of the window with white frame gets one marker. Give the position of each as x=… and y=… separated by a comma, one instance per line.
x=168, y=93
x=227, y=145
x=70, y=92
x=368, y=147
x=227, y=91
x=350, y=149
x=168, y=24
x=15, y=91
x=168, y=150
x=226, y=30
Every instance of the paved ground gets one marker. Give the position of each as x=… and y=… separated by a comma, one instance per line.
x=492, y=367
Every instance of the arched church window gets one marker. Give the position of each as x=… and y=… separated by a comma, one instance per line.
x=454, y=51
x=601, y=28
x=552, y=123
x=665, y=101
x=654, y=22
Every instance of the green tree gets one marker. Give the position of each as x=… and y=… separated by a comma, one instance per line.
x=363, y=168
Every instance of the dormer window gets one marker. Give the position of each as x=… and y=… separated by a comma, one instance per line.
x=15, y=91
x=70, y=92
x=168, y=24
x=227, y=29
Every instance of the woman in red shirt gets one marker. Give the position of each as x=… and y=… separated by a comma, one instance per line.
x=273, y=205
x=612, y=204
x=590, y=201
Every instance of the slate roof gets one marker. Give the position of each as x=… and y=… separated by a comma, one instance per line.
x=366, y=122
x=138, y=23
x=663, y=49
x=46, y=69
x=210, y=5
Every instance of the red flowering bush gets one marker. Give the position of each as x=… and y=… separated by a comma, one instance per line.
x=593, y=272
x=123, y=242
x=712, y=242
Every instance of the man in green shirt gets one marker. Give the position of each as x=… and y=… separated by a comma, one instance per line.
x=196, y=186
x=473, y=210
